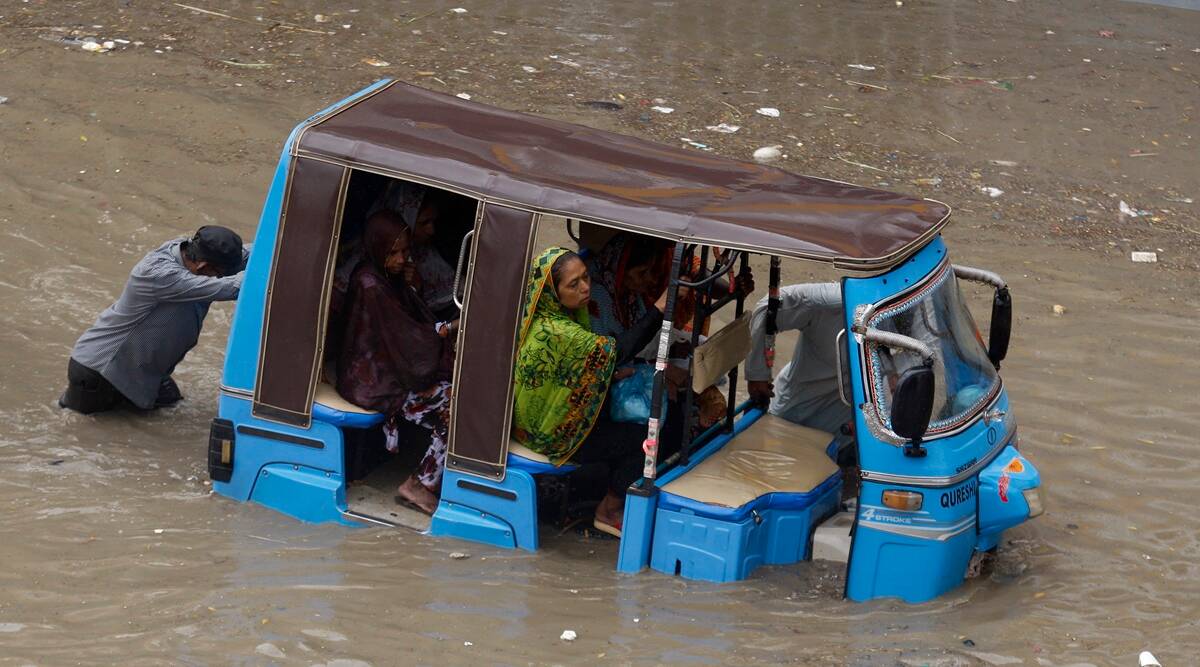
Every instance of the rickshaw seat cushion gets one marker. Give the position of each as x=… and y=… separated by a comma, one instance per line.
x=524, y=458
x=773, y=464
x=331, y=408
x=720, y=353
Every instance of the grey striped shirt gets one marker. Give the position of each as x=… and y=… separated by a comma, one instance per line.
x=138, y=340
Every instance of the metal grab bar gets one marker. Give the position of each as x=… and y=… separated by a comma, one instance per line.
x=899, y=341
x=462, y=255
x=979, y=276
x=733, y=257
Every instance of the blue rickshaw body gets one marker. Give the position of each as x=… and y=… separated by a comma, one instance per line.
x=974, y=482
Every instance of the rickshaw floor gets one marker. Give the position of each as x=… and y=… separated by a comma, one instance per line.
x=374, y=496
x=374, y=474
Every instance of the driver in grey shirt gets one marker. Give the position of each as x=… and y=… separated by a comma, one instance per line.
x=806, y=391
x=126, y=358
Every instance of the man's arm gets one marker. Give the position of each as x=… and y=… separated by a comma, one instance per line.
x=797, y=306
x=171, y=282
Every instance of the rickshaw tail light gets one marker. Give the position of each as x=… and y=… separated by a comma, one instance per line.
x=909, y=501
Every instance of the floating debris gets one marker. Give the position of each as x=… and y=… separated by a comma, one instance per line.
x=458, y=10
x=321, y=18
x=696, y=144
x=375, y=62
x=991, y=192
x=1059, y=310
x=1003, y=163
x=769, y=112
x=865, y=68
x=234, y=63
x=1129, y=211
x=603, y=106
x=1143, y=257
x=463, y=96
x=528, y=69
x=568, y=636
x=933, y=181
x=458, y=555
x=661, y=109
x=725, y=128
x=768, y=153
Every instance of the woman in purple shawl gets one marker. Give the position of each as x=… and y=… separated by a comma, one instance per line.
x=397, y=358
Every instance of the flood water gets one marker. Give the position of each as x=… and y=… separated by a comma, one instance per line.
x=114, y=550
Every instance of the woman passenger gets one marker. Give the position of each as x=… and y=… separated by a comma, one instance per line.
x=631, y=272
x=562, y=377
x=419, y=207
x=397, y=357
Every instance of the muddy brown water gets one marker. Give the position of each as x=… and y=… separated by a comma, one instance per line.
x=113, y=549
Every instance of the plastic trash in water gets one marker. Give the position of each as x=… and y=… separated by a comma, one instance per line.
x=769, y=112
x=768, y=153
x=459, y=10
x=1143, y=257
x=1147, y=659
x=1129, y=211
x=568, y=636
x=463, y=96
x=991, y=192
x=725, y=128
x=865, y=68
x=662, y=109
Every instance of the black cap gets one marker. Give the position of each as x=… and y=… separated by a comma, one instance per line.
x=219, y=246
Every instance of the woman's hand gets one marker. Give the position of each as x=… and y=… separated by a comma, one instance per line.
x=411, y=278
x=744, y=282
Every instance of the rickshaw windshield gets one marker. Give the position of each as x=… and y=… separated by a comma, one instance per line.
x=938, y=316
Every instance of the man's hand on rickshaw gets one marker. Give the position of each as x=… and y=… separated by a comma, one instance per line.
x=761, y=392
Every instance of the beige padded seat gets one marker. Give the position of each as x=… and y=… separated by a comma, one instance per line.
x=772, y=456
x=329, y=397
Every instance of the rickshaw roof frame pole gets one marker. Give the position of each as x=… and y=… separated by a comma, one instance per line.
x=731, y=402
x=650, y=445
x=702, y=289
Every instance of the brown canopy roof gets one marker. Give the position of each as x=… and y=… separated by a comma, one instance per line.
x=579, y=172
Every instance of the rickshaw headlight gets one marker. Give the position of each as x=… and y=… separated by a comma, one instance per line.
x=1033, y=498
x=909, y=501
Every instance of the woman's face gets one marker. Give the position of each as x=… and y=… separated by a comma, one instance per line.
x=642, y=279
x=397, y=257
x=574, y=287
x=423, y=227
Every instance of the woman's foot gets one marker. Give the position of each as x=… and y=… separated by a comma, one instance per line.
x=610, y=512
x=414, y=492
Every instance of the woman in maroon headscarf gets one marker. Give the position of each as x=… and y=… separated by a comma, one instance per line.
x=396, y=357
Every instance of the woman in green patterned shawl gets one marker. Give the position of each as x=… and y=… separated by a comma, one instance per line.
x=563, y=369
x=562, y=377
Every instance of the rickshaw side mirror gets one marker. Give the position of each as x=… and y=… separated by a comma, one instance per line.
x=1001, y=328
x=912, y=406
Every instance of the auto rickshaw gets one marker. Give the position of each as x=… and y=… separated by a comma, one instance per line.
x=940, y=473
